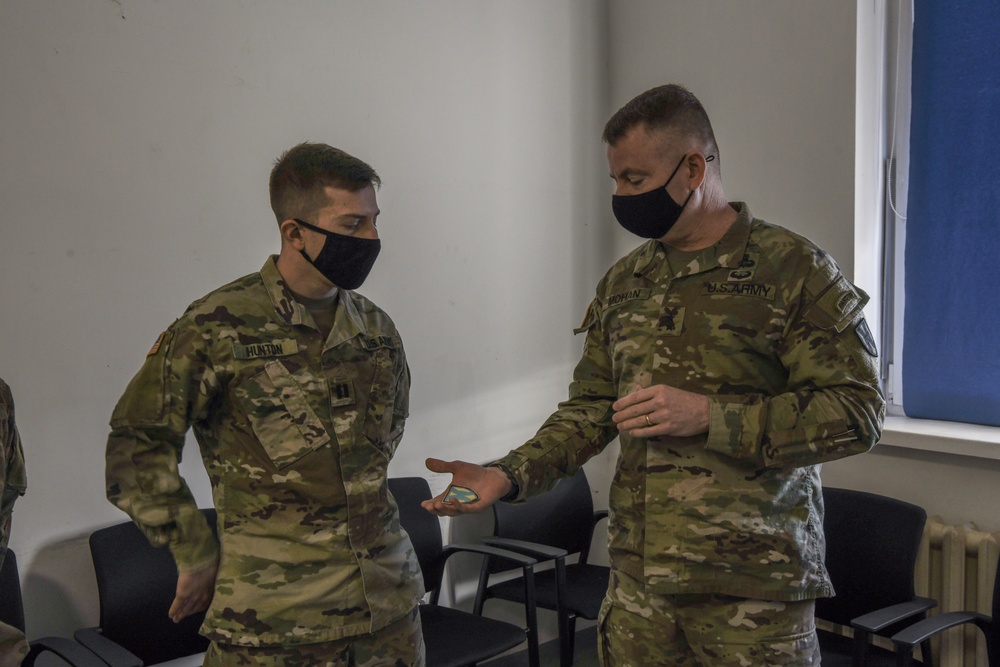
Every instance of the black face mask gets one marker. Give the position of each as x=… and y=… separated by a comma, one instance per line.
x=650, y=214
x=343, y=260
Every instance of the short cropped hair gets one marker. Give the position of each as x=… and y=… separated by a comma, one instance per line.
x=669, y=107
x=300, y=176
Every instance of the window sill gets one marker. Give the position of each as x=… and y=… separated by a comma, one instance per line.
x=939, y=436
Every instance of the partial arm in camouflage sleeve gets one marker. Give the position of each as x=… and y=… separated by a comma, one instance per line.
x=579, y=429
x=13, y=481
x=401, y=406
x=171, y=391
x=834, y=405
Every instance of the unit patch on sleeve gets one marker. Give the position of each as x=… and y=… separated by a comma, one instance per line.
x=865, y=336
x=156, y=346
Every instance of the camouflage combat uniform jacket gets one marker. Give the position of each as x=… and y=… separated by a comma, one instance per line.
x=765, y=325
x=296, y=434
x=13, y=482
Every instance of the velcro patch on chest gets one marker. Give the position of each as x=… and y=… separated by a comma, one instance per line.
x=759, y=290
x=341, y=392
x=629, y=295
x=273, y=348
x=375, y=342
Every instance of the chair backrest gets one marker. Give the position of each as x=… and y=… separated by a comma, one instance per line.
x=136, y=582
x=871, y=550
x=562, y=517
x=11, y=604
x=423, y=527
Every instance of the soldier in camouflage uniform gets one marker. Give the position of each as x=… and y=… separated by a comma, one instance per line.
x=297, y=390
x=732, y=358
x=13, y=484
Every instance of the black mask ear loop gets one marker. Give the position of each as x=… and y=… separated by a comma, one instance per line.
x=314, y=228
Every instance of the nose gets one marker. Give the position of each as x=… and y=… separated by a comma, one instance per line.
x=370, y=231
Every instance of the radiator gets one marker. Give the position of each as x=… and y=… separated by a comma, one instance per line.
x=956, y=566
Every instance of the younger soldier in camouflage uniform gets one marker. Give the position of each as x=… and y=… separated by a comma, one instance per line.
x=732, y=358
x=13, y=483
x=297, y=390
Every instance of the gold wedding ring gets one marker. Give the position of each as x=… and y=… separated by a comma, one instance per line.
x=648, y=423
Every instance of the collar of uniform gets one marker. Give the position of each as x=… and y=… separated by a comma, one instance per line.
x=285, y=305
x=650, y=255
x=347, y=323
x=731, y=247
x=726, y=252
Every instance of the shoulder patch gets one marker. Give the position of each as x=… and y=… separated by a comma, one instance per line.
x=837, y=306
x=864, y=334
x=157, y=345
x=589, y=318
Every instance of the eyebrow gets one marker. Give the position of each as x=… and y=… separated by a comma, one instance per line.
x=357, y=216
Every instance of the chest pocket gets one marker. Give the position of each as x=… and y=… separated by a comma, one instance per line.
x=281, y=417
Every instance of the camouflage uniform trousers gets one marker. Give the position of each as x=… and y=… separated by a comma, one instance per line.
x=400, y=644
x=638, y=629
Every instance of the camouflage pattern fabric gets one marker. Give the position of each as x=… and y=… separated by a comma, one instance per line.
x=13, y=481
x=765, y=325
x=13, y=484
x=296, y=433
x=398, y=645
x=640, y=629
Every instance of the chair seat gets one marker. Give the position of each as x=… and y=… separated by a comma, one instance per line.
x=586, y=586
x=450, y=632
x=838, y=651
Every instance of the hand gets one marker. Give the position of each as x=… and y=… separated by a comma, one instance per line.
x=194, y=592
x=661, y=410
x=490, y=484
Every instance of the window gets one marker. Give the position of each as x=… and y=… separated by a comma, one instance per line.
x=942, y=330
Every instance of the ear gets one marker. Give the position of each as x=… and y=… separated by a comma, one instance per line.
x=291, y=234
x=696, y=168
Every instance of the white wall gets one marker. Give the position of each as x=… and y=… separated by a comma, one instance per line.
x=136, y=142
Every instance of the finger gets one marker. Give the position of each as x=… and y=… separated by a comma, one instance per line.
x=438, y=508
x=437, y=465
x=632, y=412
x=629, y=399
x=177, y=612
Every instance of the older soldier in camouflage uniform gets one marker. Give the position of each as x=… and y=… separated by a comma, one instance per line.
x=13, y=483
x=732, y=358
x=297, y=390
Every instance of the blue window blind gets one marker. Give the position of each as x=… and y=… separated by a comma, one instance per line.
x=951, y=329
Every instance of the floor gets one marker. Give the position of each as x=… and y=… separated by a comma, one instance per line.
x=586, y=653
